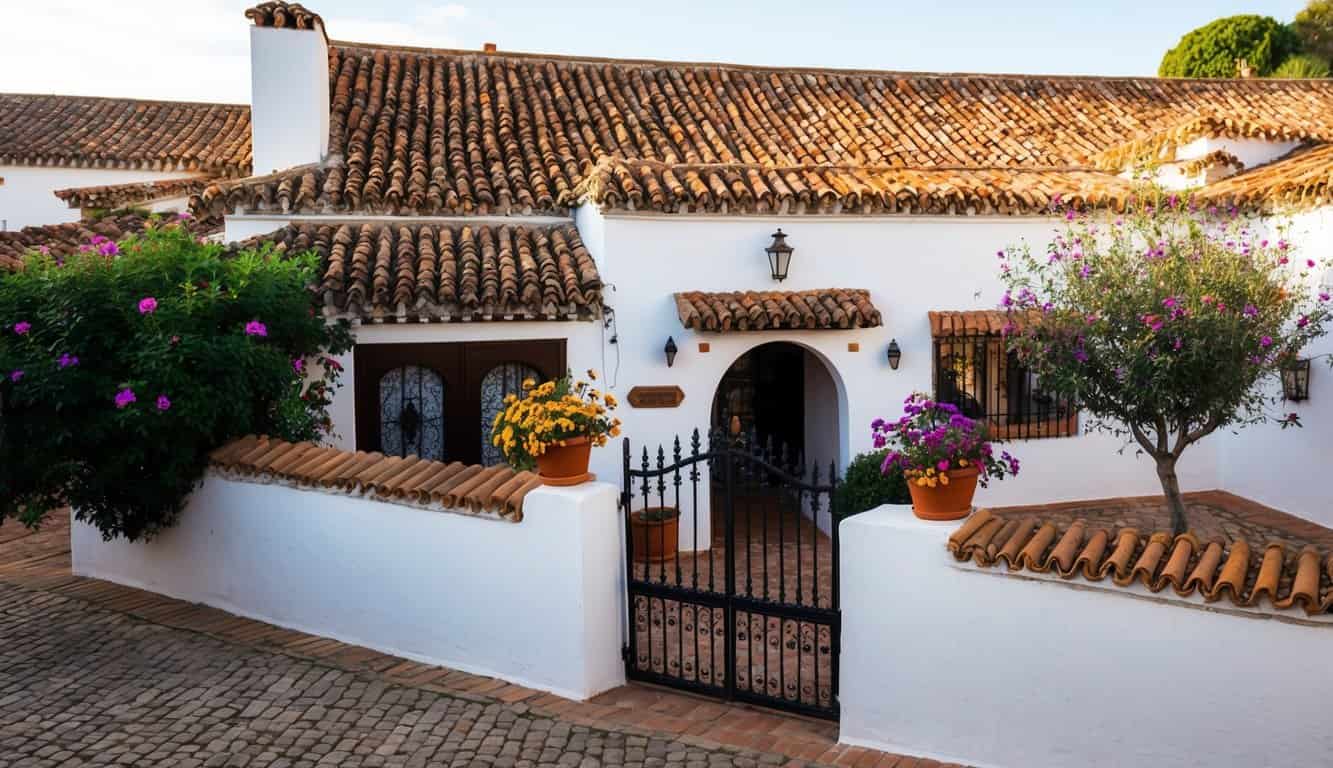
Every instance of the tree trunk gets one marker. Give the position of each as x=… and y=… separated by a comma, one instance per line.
x=1166, y=472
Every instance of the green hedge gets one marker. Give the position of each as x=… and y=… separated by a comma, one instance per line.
x=865, y=487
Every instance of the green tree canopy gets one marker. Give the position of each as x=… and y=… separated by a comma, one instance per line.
x=1212, y=50
x=1314, y=28
x=1302, y=66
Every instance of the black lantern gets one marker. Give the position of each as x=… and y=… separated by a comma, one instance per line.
x=779, y=256
x=895, y=354
x=1296, y=380
x=670, y=350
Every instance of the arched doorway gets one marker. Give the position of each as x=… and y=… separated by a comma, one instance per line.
x=784, y=395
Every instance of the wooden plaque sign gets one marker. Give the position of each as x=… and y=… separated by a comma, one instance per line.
x=655, y=397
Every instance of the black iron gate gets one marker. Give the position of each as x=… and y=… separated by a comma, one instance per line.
x=751, y=613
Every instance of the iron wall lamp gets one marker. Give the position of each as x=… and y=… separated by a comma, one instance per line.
x=1296, y=380
x=779, y=256
x=895, y=354
x=670, y=350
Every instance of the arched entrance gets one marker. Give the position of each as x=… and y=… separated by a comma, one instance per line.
x=784, y=395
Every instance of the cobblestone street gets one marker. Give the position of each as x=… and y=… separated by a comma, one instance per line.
x=84, y=686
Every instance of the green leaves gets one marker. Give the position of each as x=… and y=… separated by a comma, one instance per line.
x=127, y=466
x=1213, y=49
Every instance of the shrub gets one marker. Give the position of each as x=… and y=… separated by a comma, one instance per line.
x=125, y=364
x=1313, y=26
x=866, y=487
x=1212, y=50
x=1166, y=322
x=1302, y=66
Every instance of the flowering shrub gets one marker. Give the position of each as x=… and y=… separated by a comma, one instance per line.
x=124, y=365
x=1164, y=322
x=931, y=439
x=550, y=414
x=868, y=484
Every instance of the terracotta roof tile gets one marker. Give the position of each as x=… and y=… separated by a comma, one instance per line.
x=826, y=309
x=451, y=272
x=973, y=322
x=1245, y=574
x=284, y=15
x=109, y=196
x=89, y=132
x=1161, y=145
x=492, y=491
x=64, y=239
x=1301, y=179
x=436, y=131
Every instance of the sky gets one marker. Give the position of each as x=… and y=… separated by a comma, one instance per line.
x=198, y=50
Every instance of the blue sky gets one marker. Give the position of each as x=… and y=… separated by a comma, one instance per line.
x=197, y=49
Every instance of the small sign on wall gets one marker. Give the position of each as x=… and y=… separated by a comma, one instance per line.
x=656, y=397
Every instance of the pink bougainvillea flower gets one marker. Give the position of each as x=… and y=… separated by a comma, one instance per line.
x=184, y=216
x=1324, y=296
x=1266, y=341
x=108, y=249
x=255, y=328
x=163, y=404
x=67, y=360
x=298, y=364
x=147, y=305
x=22, y=327
x=124, y=397
x=45, y=250
x=943, y=466
x=1250, y=311
x=1309, y=263
x=1303, y=321
x=175, y=340
x=16, y=375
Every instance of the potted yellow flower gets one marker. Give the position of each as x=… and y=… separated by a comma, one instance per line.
x=554, y=426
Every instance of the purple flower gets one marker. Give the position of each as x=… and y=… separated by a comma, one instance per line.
x=1170, y=302
x=22, y=327
x=1081, y=354
x=184, y=216
x=1309, y=263
x=108, y=249
x=298, y=364
x=1323, y=296
x=15, y=376
x=1266, y=341
x=124, y=397
x=163, y=404
x=1303, y=321
x=1250, y=311
x=147, y=305
x=67, y=360
x=255, y=328
x=943, y=466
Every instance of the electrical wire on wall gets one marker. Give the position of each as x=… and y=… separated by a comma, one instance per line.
x=609, y=324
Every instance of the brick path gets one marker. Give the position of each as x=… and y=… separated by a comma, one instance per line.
x=1210, y=514
x=97, y=670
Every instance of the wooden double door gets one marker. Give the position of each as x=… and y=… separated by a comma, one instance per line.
x=438, y=400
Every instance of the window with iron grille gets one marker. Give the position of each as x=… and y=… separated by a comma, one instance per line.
x=976, y=373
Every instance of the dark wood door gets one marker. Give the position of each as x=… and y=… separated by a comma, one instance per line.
x=429, y=396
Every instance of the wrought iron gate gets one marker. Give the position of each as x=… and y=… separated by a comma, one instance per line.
x=751, y=613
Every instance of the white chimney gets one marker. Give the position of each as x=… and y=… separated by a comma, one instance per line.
x=289, y=96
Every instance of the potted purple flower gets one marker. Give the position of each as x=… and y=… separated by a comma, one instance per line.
x=942, y=454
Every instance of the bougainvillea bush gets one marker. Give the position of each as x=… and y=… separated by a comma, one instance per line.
x=931, y=438
x=125, y=364
x=1166, y=322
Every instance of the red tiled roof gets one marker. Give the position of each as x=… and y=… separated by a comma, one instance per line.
x=971, y=322
x=109, y=196
x=497, y=490
x=89, y=132
x=1301, y=179
x=825, y=309
x=437, y=131
x=1291, y=126
x=64, y=239
x=1239, y=571
x=283, y=15
x=451, y=272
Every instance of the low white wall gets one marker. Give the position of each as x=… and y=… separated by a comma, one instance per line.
x=944, y=660
x=27, y=199
x=538, y=603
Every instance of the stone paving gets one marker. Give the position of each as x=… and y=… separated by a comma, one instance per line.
x=83, y=686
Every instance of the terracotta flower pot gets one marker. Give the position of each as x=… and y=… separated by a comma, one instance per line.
x=946, y=502
x=655, y=540
x=566, y=463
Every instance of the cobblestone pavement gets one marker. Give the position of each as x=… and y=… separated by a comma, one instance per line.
x=1210, y=515
x=84, y=686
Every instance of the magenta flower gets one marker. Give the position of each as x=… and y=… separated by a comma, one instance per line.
x=124, y=397
x=45, y=250
x=1303, y=321
x=184, y=216
x=108, y=249
x=22, y=327
x=163, y=404
x=1309, y=263
x=15, y=376
x=255, y=328
x=1266, y=341
x=147, y=305
x=298, y=364
x=1250, y=311
x=67, y=360
x=1323, y=296
x=943, y=466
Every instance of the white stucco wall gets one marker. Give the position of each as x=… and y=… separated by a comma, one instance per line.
x=26, y=197
x=942, y=660
x=289, y=97
x=538, y=603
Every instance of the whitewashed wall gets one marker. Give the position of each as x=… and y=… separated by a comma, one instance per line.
x=289, y=97
x=944, y=661
x=26, y=197
x=538, y=603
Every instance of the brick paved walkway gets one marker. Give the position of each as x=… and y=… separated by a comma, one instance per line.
x=72, y=650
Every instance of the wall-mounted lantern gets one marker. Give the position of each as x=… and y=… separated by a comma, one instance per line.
x=779, y=256
x=895, y=354
x=1296, y=380
x=670, y=350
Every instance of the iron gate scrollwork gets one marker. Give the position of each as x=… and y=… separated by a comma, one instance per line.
x=751, y=613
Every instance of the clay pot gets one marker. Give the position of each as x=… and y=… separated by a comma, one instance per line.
x=946, y=502
x=565, y=463
x=655, y=532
